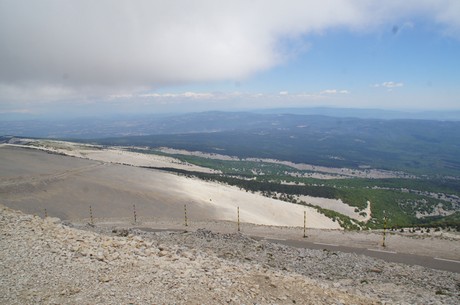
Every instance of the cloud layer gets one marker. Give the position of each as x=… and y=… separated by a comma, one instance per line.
x=389, y=85
x=56, y=48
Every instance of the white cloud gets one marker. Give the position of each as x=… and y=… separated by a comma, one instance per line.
x=388, y=85
x=392, y=84
x=187, y=95
x=120, y=96
x=58, y=48
x=229, y=96
x=35, y=92
x=334, y=91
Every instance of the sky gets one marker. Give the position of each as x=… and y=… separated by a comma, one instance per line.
x=70, y=58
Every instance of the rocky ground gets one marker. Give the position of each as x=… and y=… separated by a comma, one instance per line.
x=48, y=262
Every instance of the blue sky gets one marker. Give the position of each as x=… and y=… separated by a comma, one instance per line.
x=422, y=64
x=87, y=58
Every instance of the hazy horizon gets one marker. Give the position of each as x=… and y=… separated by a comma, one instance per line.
x=370, y=113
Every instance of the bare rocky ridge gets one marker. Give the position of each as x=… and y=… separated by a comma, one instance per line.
x=47, y=262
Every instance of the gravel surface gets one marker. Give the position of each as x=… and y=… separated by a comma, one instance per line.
x=48, y=262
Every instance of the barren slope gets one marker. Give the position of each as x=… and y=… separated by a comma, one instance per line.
x=34, y=181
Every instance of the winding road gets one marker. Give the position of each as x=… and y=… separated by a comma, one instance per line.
x=389, y=256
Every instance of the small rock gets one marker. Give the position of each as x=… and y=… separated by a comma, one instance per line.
x=163, y=253
x=103, y=279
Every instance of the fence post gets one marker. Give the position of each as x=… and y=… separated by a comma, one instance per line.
x=185, y=215
x=304, y=224
x=91, y=215
x=238, y=212
x=134, y=211
x=384, y=228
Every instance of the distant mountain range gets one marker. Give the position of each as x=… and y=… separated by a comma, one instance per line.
x=132, y=125
x=452, y=115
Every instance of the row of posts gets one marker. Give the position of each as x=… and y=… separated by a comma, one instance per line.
x=186, y=219
x=238, y=220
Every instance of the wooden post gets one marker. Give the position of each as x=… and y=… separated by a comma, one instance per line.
x=304, y=224
x=384, y=229
x=134, y=211
x=185, y=214
x=91, y=215
x=238, y=212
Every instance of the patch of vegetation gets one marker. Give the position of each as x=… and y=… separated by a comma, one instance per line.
x=451, y=221
x=345, y=222
x=434, y=185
